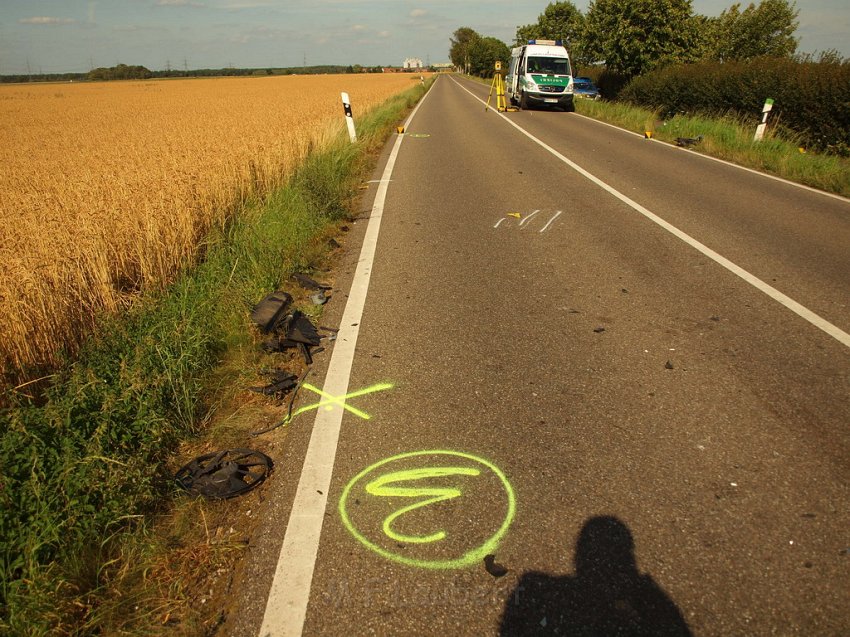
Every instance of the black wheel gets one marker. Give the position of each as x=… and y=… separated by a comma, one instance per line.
x=224, y=474
x=523, y=101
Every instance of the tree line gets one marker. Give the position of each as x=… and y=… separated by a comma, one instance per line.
x=127, y=72
x=632, y=37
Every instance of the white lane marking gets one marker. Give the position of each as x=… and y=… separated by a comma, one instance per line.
x=549, y=223
x=521, y=223
x=286, y=608
x=837, y=333
x=722, y=161
x=499, y=222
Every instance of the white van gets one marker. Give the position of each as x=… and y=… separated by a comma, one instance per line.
x=540, y=75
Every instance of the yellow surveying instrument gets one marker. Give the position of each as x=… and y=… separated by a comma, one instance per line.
x=498, y=85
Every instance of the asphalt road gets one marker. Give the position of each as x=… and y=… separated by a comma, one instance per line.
x=646, y=442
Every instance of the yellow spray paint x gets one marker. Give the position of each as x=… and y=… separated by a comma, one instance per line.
x=330, y=401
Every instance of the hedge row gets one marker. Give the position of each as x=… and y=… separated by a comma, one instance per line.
x=811, y=99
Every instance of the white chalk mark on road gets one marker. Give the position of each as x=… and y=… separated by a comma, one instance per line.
x=800, y=310
x=521, y=223
x=549, y=223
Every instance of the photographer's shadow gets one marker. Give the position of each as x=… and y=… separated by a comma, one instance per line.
x=606, y=596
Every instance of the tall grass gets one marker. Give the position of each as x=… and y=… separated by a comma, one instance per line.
x=731, y=138
x=82, y=470
x=109, y=189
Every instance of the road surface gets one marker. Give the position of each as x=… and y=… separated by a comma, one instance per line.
x=585, y=383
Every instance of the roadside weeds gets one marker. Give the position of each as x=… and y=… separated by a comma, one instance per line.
x=99, y=539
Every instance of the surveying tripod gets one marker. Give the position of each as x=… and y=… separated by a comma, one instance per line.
x=498, y=85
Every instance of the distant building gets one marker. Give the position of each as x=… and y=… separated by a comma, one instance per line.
x=413, y=63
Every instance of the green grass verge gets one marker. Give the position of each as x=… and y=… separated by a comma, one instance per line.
x=727, y=138
x=83, y=468
x=731, y=139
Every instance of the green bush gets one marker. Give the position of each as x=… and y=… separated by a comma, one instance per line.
x=811, y=99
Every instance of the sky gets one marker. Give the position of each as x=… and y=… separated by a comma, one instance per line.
x=56, y=36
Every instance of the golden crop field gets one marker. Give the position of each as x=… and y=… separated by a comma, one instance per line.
x=108, y=188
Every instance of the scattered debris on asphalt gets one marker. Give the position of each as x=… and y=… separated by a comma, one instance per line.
x=271, y=311
x=224, y=474
x=668, y=365
x=494, y=568
x=599, y=329
x=685, y=142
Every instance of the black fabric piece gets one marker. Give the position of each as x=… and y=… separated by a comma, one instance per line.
x=282, y=383
x=271, y=311
x=301, y=330
x=308, y=283
x=305, y=352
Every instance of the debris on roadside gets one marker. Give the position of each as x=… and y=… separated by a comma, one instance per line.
x=298, y=333
x=685, y=142
x=282, y=382
x=319, y=298
x=494, y=568
x=599, y=329
x=668, y=365
x=289, y=409
x=309, y=283
x=271, y=311
x=224, y=474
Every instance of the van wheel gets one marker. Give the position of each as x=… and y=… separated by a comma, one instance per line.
x=523, y=102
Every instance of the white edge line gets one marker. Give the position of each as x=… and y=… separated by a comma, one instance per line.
x=722, y=161
x=286, y=608
x=521, y=223
x=549, y=223
x=837, y=333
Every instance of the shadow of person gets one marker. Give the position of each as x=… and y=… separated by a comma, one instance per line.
x=606, y=596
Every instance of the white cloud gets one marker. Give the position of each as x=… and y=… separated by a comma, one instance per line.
x=46, y=20
x=418, y=13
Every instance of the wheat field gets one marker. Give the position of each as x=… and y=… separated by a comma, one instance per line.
x=107, y=189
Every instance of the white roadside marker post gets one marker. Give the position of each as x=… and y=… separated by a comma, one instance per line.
x=349, y=119
x=768, y=105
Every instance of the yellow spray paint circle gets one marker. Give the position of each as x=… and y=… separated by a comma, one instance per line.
x=400, y=488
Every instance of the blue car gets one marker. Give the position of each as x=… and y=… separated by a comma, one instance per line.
x=584, y=87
